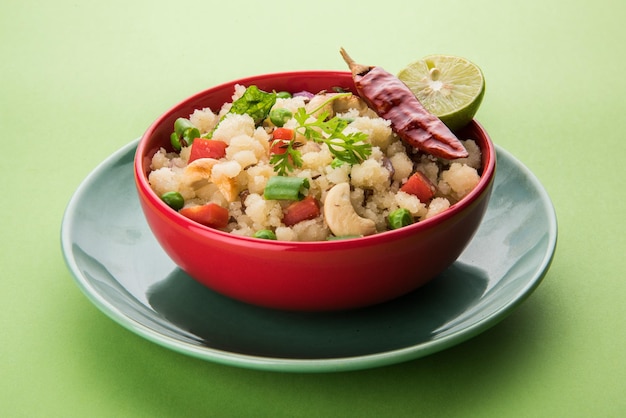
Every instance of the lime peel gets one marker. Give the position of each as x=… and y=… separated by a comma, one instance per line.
x=451, y=88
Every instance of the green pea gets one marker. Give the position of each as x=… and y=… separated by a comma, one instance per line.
x=265, y=234
x=279, y=116
x=283, y=95
x=174, y=200
x=399, y=218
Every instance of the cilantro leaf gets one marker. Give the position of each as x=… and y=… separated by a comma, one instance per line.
x=351, y=148
x=283, y=163
x=254, y=102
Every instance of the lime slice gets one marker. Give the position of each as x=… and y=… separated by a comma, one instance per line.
x=449, y=87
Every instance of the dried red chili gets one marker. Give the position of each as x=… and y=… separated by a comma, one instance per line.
x=391, y=99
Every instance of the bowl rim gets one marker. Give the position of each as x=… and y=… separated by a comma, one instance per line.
x=144, y=189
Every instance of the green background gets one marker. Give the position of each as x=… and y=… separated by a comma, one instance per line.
x=80, y=79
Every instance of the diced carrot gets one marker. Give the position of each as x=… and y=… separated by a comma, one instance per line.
x=207, y=148
x=419, y=185
x=307, y=208
x=278, y=146
x=280, y=140
x=283, y=133
x=211, y=215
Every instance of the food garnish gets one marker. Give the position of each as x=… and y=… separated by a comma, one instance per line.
x=254, y=102
x=350, y=148
x=391, y=99
x=450, y=87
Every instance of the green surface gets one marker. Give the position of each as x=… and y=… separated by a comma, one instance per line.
x=79, y=80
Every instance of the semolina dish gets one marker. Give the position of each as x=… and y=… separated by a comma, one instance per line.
x=303, y=167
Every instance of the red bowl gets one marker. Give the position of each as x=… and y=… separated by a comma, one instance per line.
x=308, y=276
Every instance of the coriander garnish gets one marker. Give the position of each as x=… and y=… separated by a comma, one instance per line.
x=351, y=148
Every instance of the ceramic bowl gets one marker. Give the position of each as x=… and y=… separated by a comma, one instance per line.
x=308, y=276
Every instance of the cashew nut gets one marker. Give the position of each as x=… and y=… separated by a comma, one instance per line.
x=198, y=172
x=228, y=187
x=340, y=215
x=345, y=103
x=316, y=101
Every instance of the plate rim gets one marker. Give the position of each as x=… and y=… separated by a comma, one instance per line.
x=292, y=364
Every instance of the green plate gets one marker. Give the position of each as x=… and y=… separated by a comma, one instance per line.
x=121, y=268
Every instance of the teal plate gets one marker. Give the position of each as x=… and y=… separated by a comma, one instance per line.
x=121, y=268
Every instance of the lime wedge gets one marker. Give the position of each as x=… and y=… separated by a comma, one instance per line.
x=449, y=87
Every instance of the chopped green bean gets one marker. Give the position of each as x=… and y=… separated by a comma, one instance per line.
x=175, y=141
x=285, y=188
x=184, y=133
